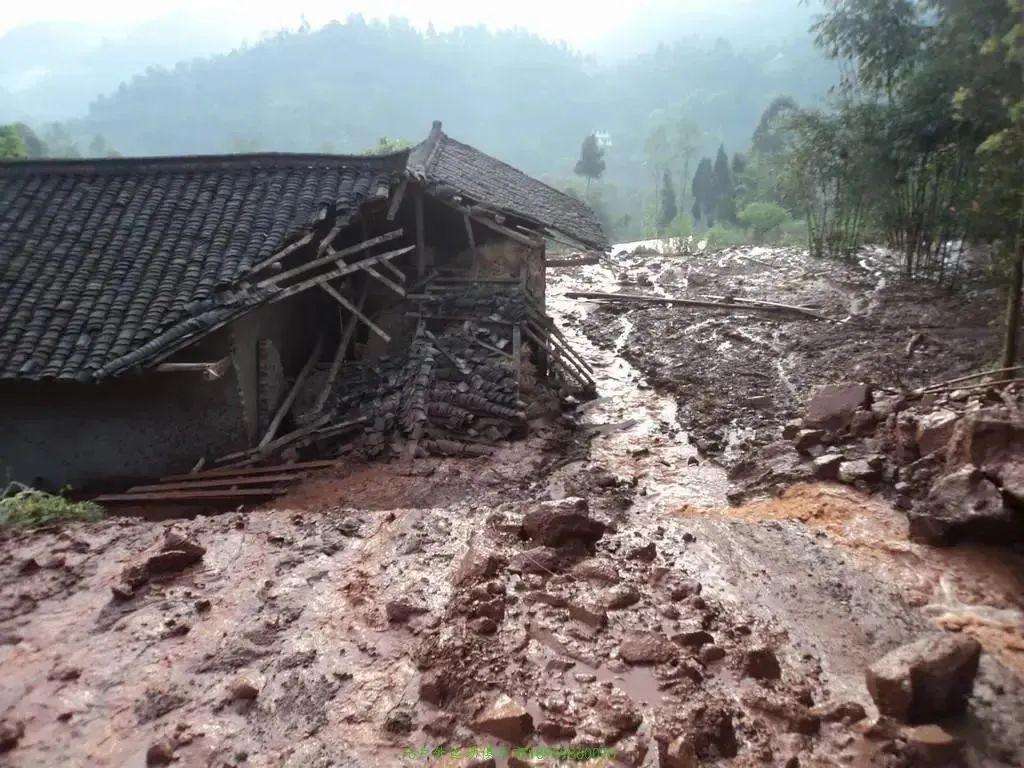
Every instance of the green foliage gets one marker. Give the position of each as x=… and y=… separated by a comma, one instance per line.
x=667, y=209
x=703, y=186
x=31, y=509
x=11, y=145
x=763, y=219
x=591, y=163
x=724, y=189
x=724, y=236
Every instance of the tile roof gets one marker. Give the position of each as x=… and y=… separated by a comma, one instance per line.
x=450, y=166
x=106, y=265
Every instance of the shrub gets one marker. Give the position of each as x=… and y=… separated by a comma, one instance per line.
x=721, y=236
x=31, y=508
x=763, y=219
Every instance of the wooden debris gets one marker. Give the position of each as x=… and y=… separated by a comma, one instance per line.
x=191, y=497
x=289, y=399
x=300, y=466
x=633, y=298
x=582, y=261
x=333, y=256
x=969, y=377
x=355, y=311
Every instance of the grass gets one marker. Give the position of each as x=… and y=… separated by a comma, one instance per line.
x=32, y=509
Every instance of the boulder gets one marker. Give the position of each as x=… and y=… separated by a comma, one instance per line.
x=542, y=561
x=807, y=440
x=176, y=553
x=827, y=467
x=647, y=648
x=934, y=430
x=586, y=612
x=986, y=441
x=964, y=505
x=926, y=680
x=433, y=686
x=505, y=719
x=858, y=470
x=832, y=407
x=556, y=523
x=477, y=563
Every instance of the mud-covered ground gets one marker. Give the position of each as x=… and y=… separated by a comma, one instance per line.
x=382, y=611
x=738, y=376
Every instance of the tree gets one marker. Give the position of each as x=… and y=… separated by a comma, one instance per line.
x=724, y=192
x=11, y=145
x=388, y=146
x=591, y=163
x=667, y=210
x=703, y=187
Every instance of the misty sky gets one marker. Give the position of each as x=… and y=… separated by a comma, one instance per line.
x=582, y=23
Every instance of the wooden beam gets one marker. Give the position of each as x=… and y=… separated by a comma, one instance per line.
x=339, y=356
x=289, y=399
x=386, y=280
x=472, y=243
x=517, y=349
x=325, y=244
x=287, y=251
x=225, y=472
x=634, y=298
x=291, y=290
x=211, y=371
x=510, y=233
x=332, y=257
x=187, y=497
x=421, y=254
x=354, y=310
x=215, y=482
x=460, y=366
x=396, y=199
x=399, y=274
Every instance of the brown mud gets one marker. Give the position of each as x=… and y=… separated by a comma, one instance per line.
x=390, y=607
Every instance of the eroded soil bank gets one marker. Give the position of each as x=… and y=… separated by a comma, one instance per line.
x=588, y=586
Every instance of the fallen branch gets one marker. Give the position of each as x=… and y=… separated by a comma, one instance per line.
x=969, y=377
x=986, y=385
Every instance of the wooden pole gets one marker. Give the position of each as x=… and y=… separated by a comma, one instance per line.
x=421, y=256
x=339, y=356
x=289, y=399
x=1012, y=329
x=472, y=244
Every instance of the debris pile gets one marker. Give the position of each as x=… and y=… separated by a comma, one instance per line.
x=953, y=460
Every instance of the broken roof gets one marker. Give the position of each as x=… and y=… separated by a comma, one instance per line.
x=450, y=167
x=112, y=265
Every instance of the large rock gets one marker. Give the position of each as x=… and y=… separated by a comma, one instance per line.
x=986, y=441
x=926, y=680
x=964, y=505
x=477, y=564
x=506, y=719
x=832, y=406
x=934, y=430
x=555, y=523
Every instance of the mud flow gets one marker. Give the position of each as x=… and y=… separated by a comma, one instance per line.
x=594, y=592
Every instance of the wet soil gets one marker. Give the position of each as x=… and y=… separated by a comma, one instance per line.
x=385, y=608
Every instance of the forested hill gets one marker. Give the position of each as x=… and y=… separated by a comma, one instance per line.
x=342, y=87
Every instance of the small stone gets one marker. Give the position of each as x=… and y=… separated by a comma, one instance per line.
x=709, y=654
x=647, y=648
x=693, y=638
x=840, y=712
x=851, y=472
x=484, y=625
x=645, y=554
x=401, y=610
x=681, y=589
x=934, y=430
x=11, y=732
x=505, y=719
x=761, y=664
x=160, y=753
x=808, y=439
x=242, y=689
x=680, y=754
x=832, y=406
x=589, y=614
x=826, y=467
x=477, y=564
x=932, y=745
x=433, y=686
x=621, y=597
x=556, y=523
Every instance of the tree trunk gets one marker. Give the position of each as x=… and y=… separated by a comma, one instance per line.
x=1013, y=306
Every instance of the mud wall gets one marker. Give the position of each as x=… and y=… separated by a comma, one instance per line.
x=143, y=426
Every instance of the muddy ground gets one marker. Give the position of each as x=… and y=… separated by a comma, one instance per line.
x=385, y=610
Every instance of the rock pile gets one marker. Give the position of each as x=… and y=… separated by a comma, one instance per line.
x=954, y=462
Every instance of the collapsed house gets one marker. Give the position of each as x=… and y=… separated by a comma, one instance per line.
x=161, y=314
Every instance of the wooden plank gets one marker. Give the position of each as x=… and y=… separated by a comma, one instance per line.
x=386, y=280
x=334, y=256
x=396, y=199
x=459, y=319
x=517, y=348
x=299, y=466
x=339, y=356
x=635, y=298
x=214, y=482
x=211, y=371
x=510, y=233
x=421, y=253
x=289, y=399
x=325, y=244
x=354, y=310
x=185, y=497
x=291, y=290
x=287, y=251
x=460, y=366
x=399, y=274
